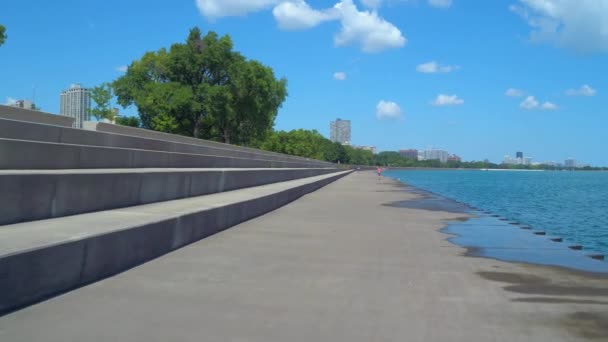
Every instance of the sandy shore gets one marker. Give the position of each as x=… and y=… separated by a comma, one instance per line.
x=341, y=264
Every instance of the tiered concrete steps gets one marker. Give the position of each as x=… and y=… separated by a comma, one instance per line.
x=77, y=206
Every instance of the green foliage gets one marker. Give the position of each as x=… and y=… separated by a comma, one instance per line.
x=2, y=34
x=102, y=95
x=130, y=121
x=202, y=88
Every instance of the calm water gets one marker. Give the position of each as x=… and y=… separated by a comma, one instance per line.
x=571, y=205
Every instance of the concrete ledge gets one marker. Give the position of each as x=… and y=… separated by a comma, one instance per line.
x=27, y=115
x=44, y=258
x=34, y=155
x=36, y=195
x=17, y=130
x=145, y=133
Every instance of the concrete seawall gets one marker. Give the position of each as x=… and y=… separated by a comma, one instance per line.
x=34, y=267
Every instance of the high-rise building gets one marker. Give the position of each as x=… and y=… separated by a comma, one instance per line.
x=76, y=103
x=519, y=155
x=440, y=155
x=410, y=154
x=339, y=131
x=570, y=162
x=25, y=104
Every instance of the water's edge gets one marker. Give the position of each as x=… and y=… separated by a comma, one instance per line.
x=487, y=235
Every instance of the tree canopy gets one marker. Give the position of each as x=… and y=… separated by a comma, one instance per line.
x=102, y=95
x=2, y=34
x=205, y=89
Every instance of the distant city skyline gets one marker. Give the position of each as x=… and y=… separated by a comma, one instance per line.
x=473, y=77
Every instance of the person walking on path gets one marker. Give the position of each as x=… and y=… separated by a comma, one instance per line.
x=379, y=172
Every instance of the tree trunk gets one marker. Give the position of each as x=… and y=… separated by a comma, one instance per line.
x=197, y=126
x=226, y=136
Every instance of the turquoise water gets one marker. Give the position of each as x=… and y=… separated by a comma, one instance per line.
x=571, y=205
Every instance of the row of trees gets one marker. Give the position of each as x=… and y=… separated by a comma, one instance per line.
x=311, y=144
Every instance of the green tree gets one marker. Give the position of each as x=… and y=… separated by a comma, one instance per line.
x=130, y=121
x=102, y=95
x=2, y=34
x=202, y=88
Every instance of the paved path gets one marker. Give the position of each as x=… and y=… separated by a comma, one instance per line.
x=336, y=265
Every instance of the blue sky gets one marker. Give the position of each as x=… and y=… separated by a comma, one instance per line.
x=407, y=73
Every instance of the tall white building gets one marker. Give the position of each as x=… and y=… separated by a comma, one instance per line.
x=440, y=155
x=570, y=162
x=339, y=131
x=76, y=103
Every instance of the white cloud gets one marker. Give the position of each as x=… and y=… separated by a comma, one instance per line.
x=371, y=3
x=529, y=103
x=340, y=76
x=10, y=101
x=577, y=24
x=584, y=90
x=388, y=110
x=447, y=100
x=440, y=3
x=298, y=15
x=512, y=92
x=434, y=67
x=122, y=68
x=366, y=29
x=548, y=106
x=227, y=8
x=363, y=28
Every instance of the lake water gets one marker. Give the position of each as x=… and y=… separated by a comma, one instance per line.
x=570, y=205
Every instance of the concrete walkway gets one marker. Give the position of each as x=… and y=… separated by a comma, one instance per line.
x=336, y=265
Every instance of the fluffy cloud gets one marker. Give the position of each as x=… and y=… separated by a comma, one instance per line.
x=388, y=110
x=363, y=28
x=298, y=15
x=447, y=100
x=440, y=3
x=340, y=76
x=548, y=106
x=366, y=29
x=531, y=103
x=10, y=101
x=122, y=68
x=434, y=67
x=584, y=90
x=577, y=24
x=227, y=8
x=512, y=92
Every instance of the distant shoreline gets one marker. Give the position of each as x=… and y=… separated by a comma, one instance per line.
x=465, y=169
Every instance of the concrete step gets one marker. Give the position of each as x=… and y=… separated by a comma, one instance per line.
x=27, y=115
x=166, y=137
x=43, y=258
x=155, y=141
x=29, y=195
x=25, y=154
